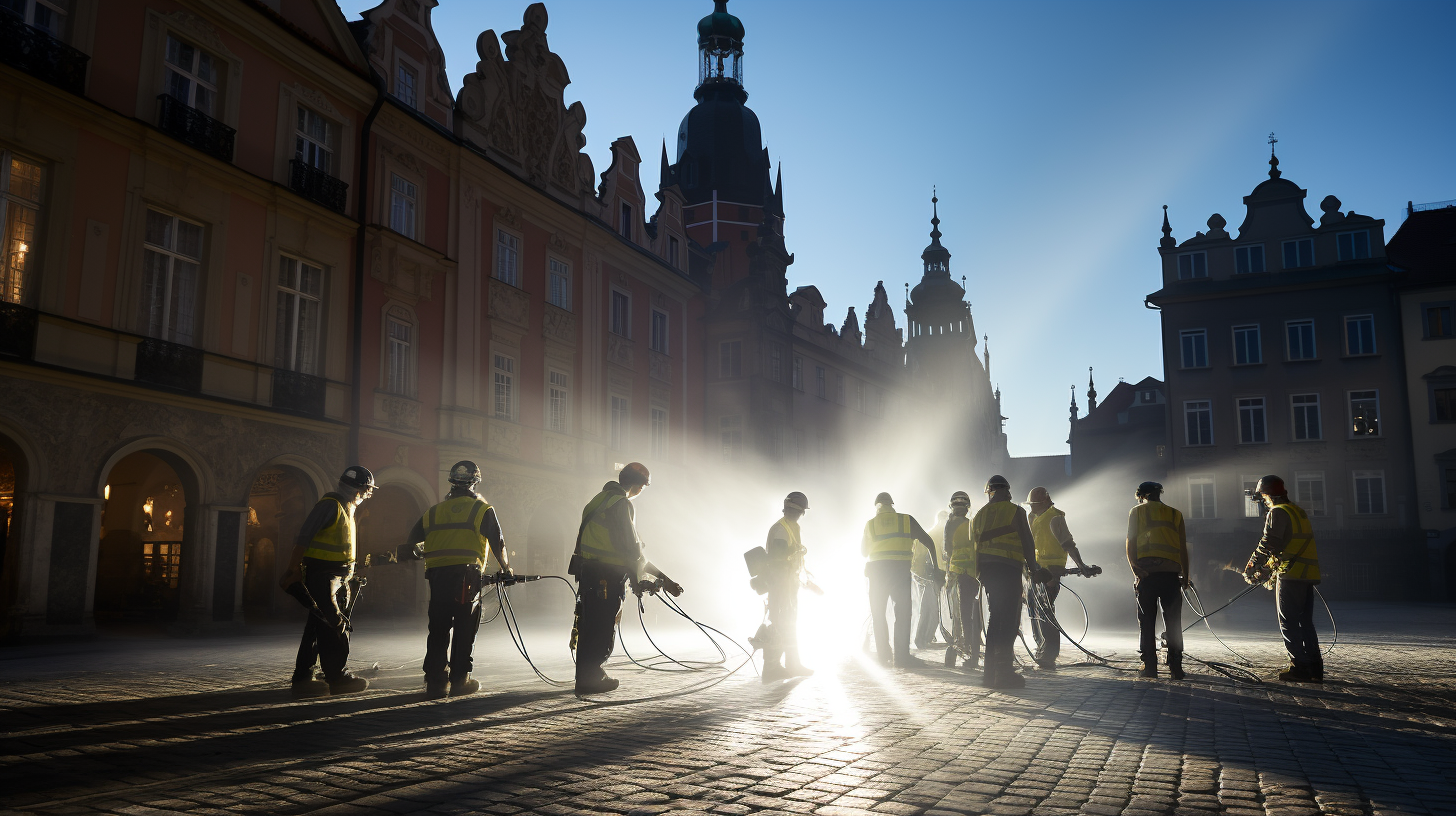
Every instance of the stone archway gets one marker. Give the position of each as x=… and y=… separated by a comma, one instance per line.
x=150, y=532
x=279, y=501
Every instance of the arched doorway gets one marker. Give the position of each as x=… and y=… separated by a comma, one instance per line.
x=278, y=503
x=12, y=475
x=384, y=520
x=145, y=530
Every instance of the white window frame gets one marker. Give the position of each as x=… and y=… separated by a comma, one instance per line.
x=1289, y=327
x=192, y=74
x=286, y=318
x=1244, y=257
x=1341, y=238
x=796, y=377
x=730, y=359
x=1256, y=410
x=558, y=401
x=619, y=312
x=628, y=227
x=308, y=146
x=558, y=280
x=1196, y=508
x=730, y=437
x=1253, y=508
x=16, y=275
x=821, y=382
x=507, y=257
x=1197, y=265
x=1253, y=354
x=1360, y=319
x=1375, y=503
x=1192, y=407
x=404, y=196
x=674, y=250
x=658, y=432
x=400, y=351
x=407, y=92
x=51, y=8
x=620, y=422
x=173, y=256
x=658, y=338
x=1301, y=404
x=1189, y=334
x=503, y=386
x=1350, y=407
x=1304, y=491
x=1297, y=243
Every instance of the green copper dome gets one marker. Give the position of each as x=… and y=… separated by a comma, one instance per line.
x=720, y=24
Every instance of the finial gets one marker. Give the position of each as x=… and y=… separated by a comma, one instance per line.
x=1273, y=159
x=1167, y=231
x=934, y=215
x=1272, y=141
x=1091, y=391
x=907, y=294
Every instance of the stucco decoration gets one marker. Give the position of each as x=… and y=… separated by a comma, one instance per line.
x=510, y=217
x=513, y=108
x=509, y=304
x=619, y=351
x=559, y=451
x=505, y=438
x=399, y=413
x=556, y=242
x=559, y=325
x=659, y=367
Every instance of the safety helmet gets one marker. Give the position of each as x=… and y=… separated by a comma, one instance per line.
x=635, y=473
x=1151, y=489
x=1039, y=495
x=357, y=477
x=960, y=497
x=997, y=483
x=884, y=498
x=797, y=500
x=1271, y=485
x=465, y=473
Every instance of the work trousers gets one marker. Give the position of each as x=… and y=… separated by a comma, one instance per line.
x=1154, y=590
x=324, y=641
x=1295, y=602
x=1003, y=600
x=927, y=611
x=783, y=624
x=1048, y=639
x=968, y=610
x=454, y=608
x=890, y=581
x=602, y=588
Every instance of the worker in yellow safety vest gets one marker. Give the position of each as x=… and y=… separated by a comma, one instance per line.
x=1004, y=550
x=1157, y=552
x=963, y=587
x=785, y=574
x=455, y=538
x=319, y=569
x=1054, y=544
x=1287, y=550
x=888, y=543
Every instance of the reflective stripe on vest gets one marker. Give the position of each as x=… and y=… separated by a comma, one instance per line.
x=333, y=542
x=962, y=552
x=1049, y=552
x=596, y=539
x=994, y=529
x=1157, y=532
x=796, y=550
x=452, y=532
x=890, y=538
x=1300, y=559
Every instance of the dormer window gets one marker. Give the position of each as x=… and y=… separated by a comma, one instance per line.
x=404, y=84
x=1299, y=253
x=1249, y=259
x=627, y=221
x=1192, y=265
x=1353, y=245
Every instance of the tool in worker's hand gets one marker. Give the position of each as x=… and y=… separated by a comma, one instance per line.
x=1090, y=571
x=661, y=584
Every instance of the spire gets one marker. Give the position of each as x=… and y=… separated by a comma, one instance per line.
x=1167, y=231
x=666, y=177
x=1074, y=403
x=1273, y=159
x=934, y=218
x=1091, y=392
x=986, y=350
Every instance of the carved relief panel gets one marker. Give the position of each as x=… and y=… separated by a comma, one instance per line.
x=509, y=304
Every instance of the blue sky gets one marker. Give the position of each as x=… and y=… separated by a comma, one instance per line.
x=1054, y=131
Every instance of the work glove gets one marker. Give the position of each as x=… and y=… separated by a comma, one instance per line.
x=1091, y=571
x=672, y=587
x=1041, y=575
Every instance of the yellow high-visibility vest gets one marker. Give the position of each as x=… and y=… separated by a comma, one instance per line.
x=890, y=537
x=335, y=541
x=796, y=549
x=1300, y=559
x=452, y=532
x=1049, y=552
x=994, y=530
x=596, y=539
x=1157, y=531
x=962, y=551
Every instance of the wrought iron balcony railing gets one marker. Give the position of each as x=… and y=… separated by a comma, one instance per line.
x=17, y=331
x=316, y=185
x=160, y=362
x=303, y=393
x=42, y=56
x=193, y=127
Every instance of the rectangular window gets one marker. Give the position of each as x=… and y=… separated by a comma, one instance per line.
x=658, y=338
x=402, y=196
x=730, y=433
x=191, y=76
x=819, y=385
x=560, y=281
x=1438, y=321
x=1253, y=508
x=627, y=221
x=1300, y=334
x=801, y=448
x=47, y=15
x=775, y=365
x=1198, y=422
x=1306, y=419
x=1369, y=492
x=861, y=404
x=1299, y=253
x=20, y=193
x=839, y=388
x=1252, y=428
x=621, y=314
x=621, y=417
x=1195, y=348
x=1200, y=498
x=1364, y=413
x=1247, y=348
x=1360, y=334
x=558, y=401
x=1353, y=245
x=397, y=371
x=404, y=84
x=171, y=259
x=798, y=374
x=1443, y=404
x=659, y=432
x=505, y=387
x=672, y=250
x=1249, y=259
x=312, y=140
x=1309, y=491
x=730, y=359
x=507, y=257
x=1192, y=265
x=295, y=346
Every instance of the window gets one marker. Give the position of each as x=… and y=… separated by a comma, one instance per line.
x=1200, y=497
x=1360, y=334
x=1365, y=413
x=1437, y=320
x=730, y=359
x=658, y=338
x=402, y=195
x=730, y=432
x=1198, y=422
x=672, y=250
x=20, y=191
x=1309, y=491
x=1299, y=253
x=860, y=404
x=1306, y=419
x=775, y=365
x=627, y=221
x=558, y=401
x=1195, y=348
x=659, y=432
x=801, y=448
x=1192, y=265
x=47, y=15
x=621, y=416
x=1249, y=259
x=1369, y=492
x=312, y=140
x=560, y=275
x=1247, y=348
x=404, y=84
x=398, y=363
x=819, y=387
x=507, y=257
x=1353, y=245
x=1252, y=428
x=798, y=373
x=1443, y=404
x=839, y=388
x=191, y=75
x=505, y=387
x=621, y=314
x=171, y=258
x=1300, y=335
x=1253, y=508
x=295, y=345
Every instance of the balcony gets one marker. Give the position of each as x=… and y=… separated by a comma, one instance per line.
x=193, y=127
x=44, y=57
x=300, y=393
x=317, y=186
x=17, y=331
x=169, y=364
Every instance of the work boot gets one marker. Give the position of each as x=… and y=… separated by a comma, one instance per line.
x=1150, y=669
x=1007, y=678
x=1175, y=666
x=1317, y=672
x=989, y=677
x=304, y=685
x=601, y=685
x=773, y=672
x=437, y=687
x=461, y=686
x=794, y=667
x=347, y=684
x=1297, y=674
x=909, y=661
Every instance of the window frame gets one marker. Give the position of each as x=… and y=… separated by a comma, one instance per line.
x=504, y=387
x=1354, y=254
x=775, y=363
x=1257, y=357
x=658, y=432
x=404, y=65
x=558, y=282
x=659, y=340
x=400, y=383
x=627, y=226
x=619, y=320
x=1189, y=334
x=1197, y=262
x=1298, y=408
x=1435, y=386
x=1350, y=407
x=674, y=251
x=1204, y=406
x=28, y=16
x=500, y=247
x=558, y=409
x=1247, y=253
x=1196, y=509
x=1297, y=243
x=1355, y=319
x=1426, y=308
x=169, y=332
x=1356, y=476
x=730, y=359
x=15, y=288
x=1259, y=411
x=730, y=437
x=1308, y=502
x=301, y=136
x=1289, y=327
x=796, y=373
x=411, y=200
x=298, y=295
x=192, y=75
x=619, y=422
x=821, y=382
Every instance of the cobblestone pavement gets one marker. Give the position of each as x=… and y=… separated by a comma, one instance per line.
x=151, y=724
